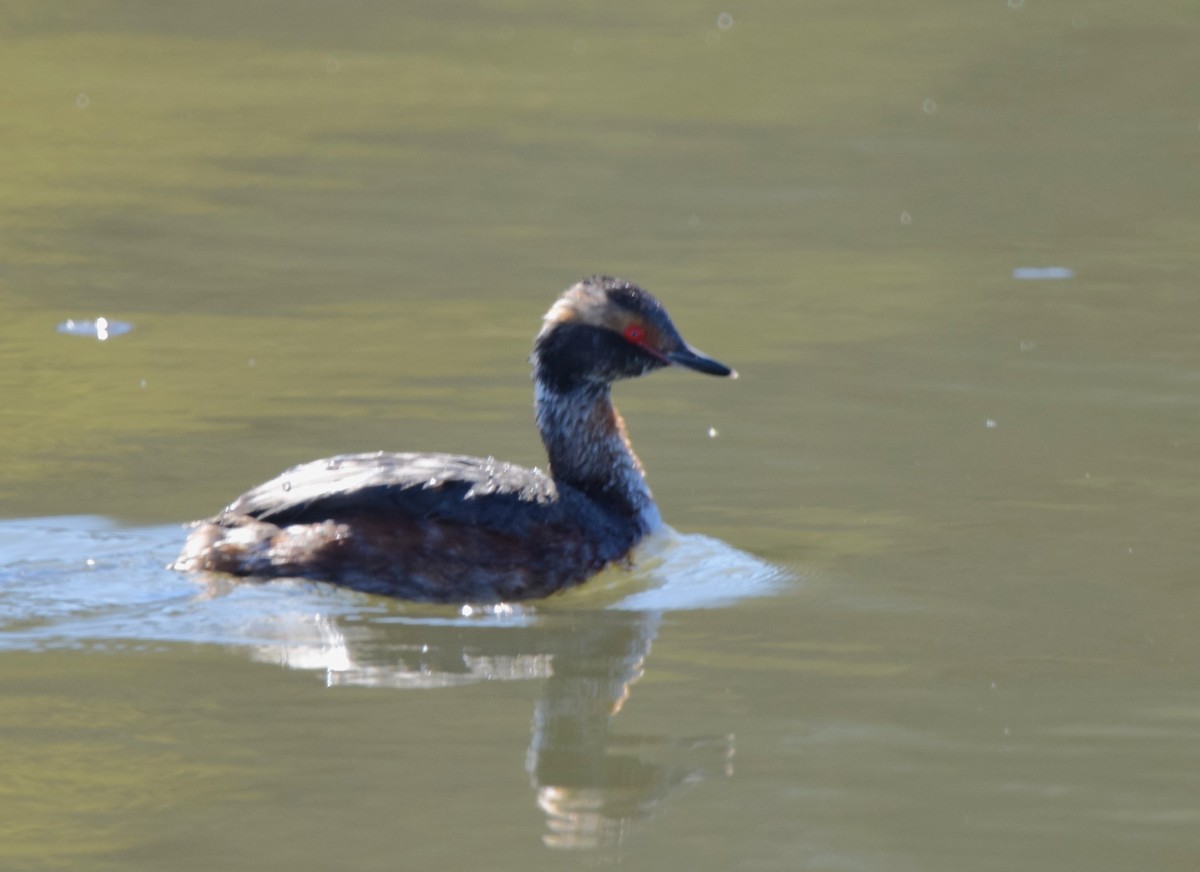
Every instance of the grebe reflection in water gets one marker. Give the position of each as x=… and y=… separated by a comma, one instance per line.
x=449, y=528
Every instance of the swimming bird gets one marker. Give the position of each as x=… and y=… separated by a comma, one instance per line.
x=450, y=528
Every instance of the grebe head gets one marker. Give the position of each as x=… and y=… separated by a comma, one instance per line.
x=603, y=329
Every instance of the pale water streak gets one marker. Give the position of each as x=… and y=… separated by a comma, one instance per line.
x=107, y=584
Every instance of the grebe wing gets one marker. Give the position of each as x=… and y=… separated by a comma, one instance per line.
x=444, y=486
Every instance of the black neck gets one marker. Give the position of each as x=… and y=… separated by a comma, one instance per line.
x=588, y=448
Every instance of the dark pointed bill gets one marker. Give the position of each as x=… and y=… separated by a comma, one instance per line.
x=693, y=359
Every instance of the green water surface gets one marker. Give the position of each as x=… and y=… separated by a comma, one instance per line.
x=334, y=227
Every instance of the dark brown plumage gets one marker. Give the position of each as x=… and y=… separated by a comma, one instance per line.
x=450, y=528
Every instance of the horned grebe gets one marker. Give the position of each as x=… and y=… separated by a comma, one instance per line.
x=448, y=528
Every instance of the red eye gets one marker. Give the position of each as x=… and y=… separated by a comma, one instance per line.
x=635, y=333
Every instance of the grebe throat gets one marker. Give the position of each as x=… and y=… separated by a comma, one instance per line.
x=589, y=449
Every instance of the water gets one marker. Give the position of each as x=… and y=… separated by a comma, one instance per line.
x=930, y=602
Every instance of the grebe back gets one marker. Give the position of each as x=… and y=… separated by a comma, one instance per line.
x=449, y=528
